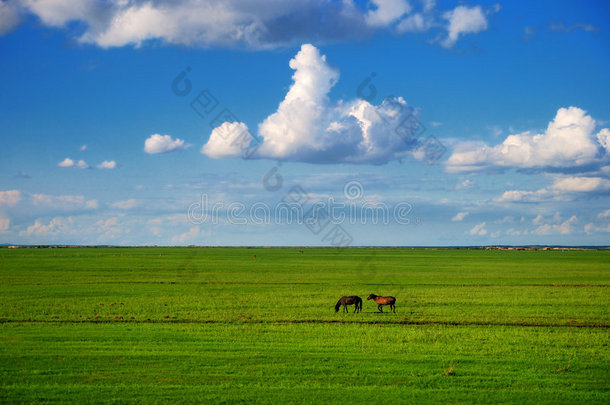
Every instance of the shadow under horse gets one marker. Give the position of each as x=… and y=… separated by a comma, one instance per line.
x=351, y=300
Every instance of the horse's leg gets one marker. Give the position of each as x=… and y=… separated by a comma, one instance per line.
x=380, y=308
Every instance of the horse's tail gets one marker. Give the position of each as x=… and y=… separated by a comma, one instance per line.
x=338, y=306
x=359, y=303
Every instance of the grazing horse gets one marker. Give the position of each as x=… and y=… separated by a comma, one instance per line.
x=351, y=300
x=383, y=301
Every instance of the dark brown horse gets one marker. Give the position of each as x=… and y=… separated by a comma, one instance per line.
x=383, y=301
x=351, y=300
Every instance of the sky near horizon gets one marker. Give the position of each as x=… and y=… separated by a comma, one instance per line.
x=313, y=122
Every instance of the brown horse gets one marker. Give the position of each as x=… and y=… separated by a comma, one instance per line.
x=383, y=301
x=351, y=300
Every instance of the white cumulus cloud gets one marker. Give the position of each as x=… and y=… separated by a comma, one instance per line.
x=463, y=20
x=568, y=141
x=564, y=188
x=163, y=143
x=222, y=142
x=562, y=228
x=253, y=24
x=138, y=23
x=307, y=127
x=56, y=226
x=107, y=164
x=67, y=162
x=580, y=184
x=81, y=164
x=231, y=23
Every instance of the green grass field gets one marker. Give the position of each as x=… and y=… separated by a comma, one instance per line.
x=217, y=325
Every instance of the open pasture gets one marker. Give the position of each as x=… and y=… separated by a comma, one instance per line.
x=219, y=325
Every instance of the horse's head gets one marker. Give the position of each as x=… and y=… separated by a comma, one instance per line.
x=370, y=297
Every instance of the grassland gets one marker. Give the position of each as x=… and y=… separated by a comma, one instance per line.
x=218, y=325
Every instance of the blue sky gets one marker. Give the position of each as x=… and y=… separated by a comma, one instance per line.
x=98, y=147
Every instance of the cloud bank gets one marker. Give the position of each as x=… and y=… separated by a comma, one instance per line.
x=564, y=188
x=307, y=127
x=569, y=141
x=252, y=24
